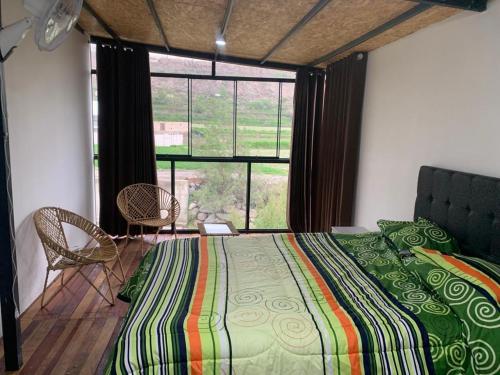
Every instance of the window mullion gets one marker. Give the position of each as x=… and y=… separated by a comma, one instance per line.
x=235, y=110
x=172, y=186
x=190, y=117
x=278, y=131
x=247, y=207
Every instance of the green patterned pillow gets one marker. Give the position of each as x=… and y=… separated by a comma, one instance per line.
x=424, y=233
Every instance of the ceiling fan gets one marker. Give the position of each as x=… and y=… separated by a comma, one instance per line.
x=52, y=19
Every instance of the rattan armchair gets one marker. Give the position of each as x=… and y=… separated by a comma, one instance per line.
x=147, y=205
x=100, y=249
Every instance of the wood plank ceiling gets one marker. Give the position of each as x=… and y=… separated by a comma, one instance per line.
x=256, y=26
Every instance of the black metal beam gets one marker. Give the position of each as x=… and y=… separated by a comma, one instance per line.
x=101, y=22
x=248, y=192
x=227, y=16
x=221, y=78
x=416, y=10
x=9, y=297
x=219, y=159
x=473, y=5
x=299, y=25
x=225, y=22
x=158, y=23
x=214, y=77
x=202, y=55
x=222, y=159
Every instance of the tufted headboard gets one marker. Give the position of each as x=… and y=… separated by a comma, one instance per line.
x=467, y=205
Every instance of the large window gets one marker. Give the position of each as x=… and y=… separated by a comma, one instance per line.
x=222, y=137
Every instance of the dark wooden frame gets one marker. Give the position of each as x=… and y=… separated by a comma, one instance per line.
x=9, y=294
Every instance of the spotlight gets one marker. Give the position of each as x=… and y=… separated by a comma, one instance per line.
x=220, y=41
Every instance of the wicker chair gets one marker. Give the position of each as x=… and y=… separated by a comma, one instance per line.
x=49, y=226
x=147, y=205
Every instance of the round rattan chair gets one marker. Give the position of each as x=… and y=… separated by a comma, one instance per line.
x=49, y=226
x=147, y=205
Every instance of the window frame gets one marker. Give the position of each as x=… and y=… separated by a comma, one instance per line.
x=235, y=80
x=235, y=158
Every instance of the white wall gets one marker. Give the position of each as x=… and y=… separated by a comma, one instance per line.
x=431, y=98
x=48, y=101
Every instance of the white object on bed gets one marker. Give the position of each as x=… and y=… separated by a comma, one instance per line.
x=217, y=229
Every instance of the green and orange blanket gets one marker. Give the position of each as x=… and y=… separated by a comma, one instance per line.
x=304, y=304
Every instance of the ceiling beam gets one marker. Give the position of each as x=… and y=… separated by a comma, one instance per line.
x=101, y=22
x=416, y=10
x=299, y=25
x=227, y=16
x=474, y=5
x=79, y=28
x=159, y=26
x=225, y=23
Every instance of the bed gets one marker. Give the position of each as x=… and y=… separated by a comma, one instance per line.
x=319, y=303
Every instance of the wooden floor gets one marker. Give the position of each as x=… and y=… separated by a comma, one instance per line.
x=75, y=332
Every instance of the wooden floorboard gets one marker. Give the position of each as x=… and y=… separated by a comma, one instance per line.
x=76, y=331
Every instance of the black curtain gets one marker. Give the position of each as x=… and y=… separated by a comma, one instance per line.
x=125, y=133
x=341, y=129
x=325, y=146
x=308, y=108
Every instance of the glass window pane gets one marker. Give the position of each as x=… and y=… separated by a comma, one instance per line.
x=170, y=115
x=212, y=118
x=235, y=70
x=257, y=118
x=94, y=111
x=164, y=175
x=211, y=193
x=160, y=63
x=268, y=196
x=163, y=172
x=286, y=119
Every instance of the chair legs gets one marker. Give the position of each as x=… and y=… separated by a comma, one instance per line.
x=45, y=287
x=156, y=236
x=61, y=287
x=128, y=234
x=142, y=240
x=121, y=269
x=122, y=278
x=106, y=272
x=155, y=240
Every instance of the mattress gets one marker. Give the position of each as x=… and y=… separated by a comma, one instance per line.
x=302, y=304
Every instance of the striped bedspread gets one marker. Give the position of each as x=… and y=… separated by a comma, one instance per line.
x=295, y=304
